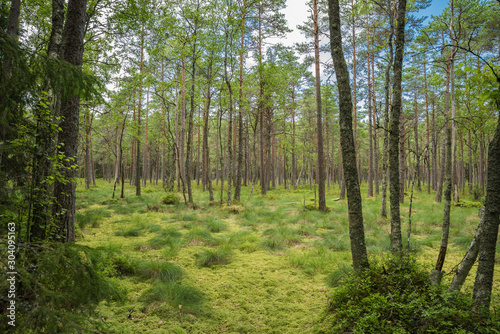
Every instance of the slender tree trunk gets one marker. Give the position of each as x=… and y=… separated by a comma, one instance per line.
x=189, y=153
x=427, y=132
x=356, y=228
x=417, y=151
x=239, y=171
x=375, y=143
x=469, y=258
x=147, y=166
x=385, y=154
x=230, y=125
x=294, y=167
x=182, y=132
x=370, y=125
x=263, y=181
x=396, y=241
x=402, y=158
x=319, y=119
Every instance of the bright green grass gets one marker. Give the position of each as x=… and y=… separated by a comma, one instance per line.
x=261, y=266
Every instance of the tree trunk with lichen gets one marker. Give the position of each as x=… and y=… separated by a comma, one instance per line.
x=65, y=192
x=396, y=241
x=356, y=227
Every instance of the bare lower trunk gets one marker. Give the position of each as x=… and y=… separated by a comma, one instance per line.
x=469, y=258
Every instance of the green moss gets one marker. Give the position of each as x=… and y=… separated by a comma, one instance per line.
x=276, y=281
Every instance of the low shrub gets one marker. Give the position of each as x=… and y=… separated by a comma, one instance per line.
x=468, y=204
x=396, y=297
x=170, y=198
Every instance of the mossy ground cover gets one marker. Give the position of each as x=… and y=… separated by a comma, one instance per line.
x=262, y=266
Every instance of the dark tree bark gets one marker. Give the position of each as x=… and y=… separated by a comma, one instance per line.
x=356, y=228
x=13, y=23
x=485, y=270
x=469, y=258
x=319, y=118
x=46, y=138
x=72, y=52
x=396, y=241
x=54, y=48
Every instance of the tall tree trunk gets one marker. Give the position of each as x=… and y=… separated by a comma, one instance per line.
x=239, y=171
x=319, y=118
x=230, y=124
x=375, y=143
x=263, y=184
x=354, y=72
x=427, y=132
x=189, y=151
x=294, y=167
x=88, y=160
x=402, y=158
x=434, y=147
x=356, y=228
x=417, y=151
x=182, y=131
x=396, y=241
x=65, y=192
x=138, y=141
x=147, y=166
x=385, y=154
x=370, y=125
x=436, y=273
x=484, y=277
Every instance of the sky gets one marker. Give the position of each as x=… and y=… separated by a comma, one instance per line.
x=297, y=12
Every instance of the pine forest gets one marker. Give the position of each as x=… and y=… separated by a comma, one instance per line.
x=250, y=166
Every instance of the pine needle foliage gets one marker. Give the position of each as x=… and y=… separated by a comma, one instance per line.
x=59, y=287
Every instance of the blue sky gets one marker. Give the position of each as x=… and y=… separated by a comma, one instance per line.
x=297, y=13
x=436, y=8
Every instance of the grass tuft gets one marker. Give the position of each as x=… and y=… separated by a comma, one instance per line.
x=219, y=256
x=161, y=271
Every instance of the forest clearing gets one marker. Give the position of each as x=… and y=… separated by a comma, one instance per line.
x=249, y=166
x=274, y=261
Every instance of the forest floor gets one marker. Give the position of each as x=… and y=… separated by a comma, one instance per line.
x=261, y=266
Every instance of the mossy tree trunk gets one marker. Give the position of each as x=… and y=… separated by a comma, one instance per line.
x=65, y=192
x=356, y=227
x=487, y=248
x=396, y=241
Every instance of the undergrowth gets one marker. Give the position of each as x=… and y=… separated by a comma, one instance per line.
x=59, y=287
x=395, y=296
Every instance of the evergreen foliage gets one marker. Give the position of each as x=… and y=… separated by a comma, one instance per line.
x=59, y=287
